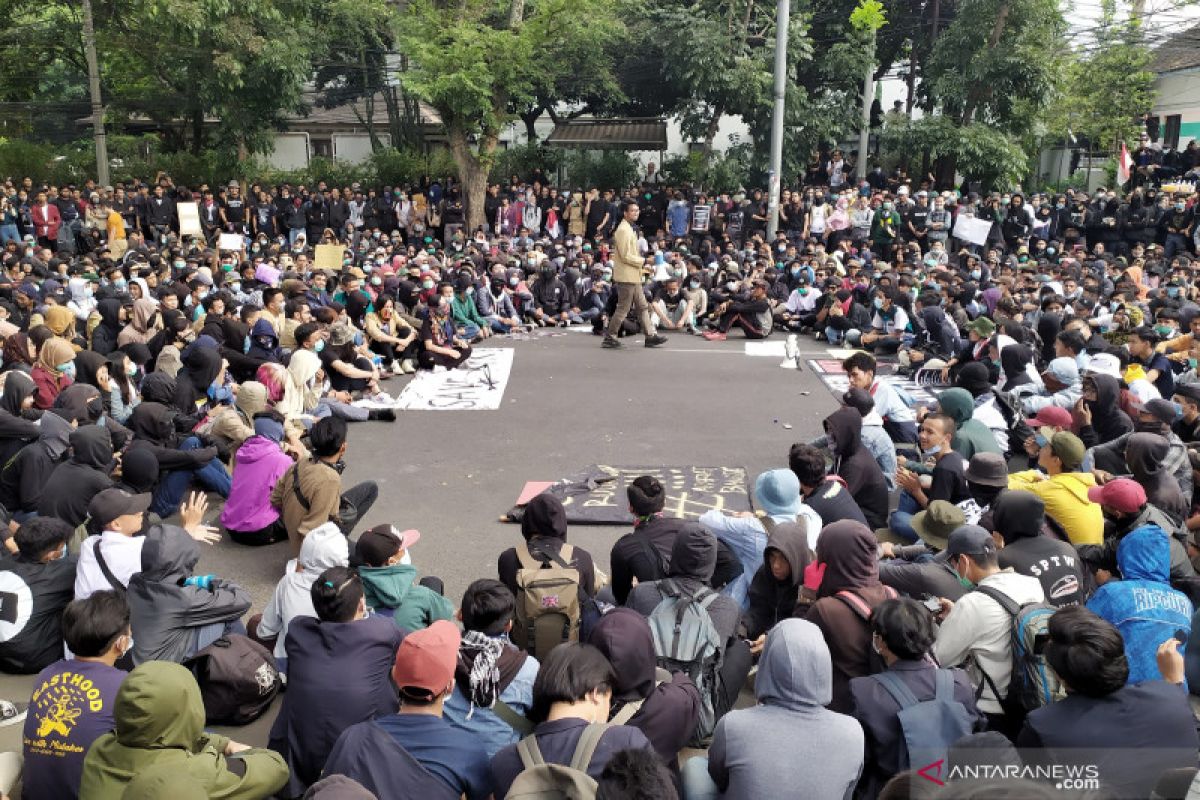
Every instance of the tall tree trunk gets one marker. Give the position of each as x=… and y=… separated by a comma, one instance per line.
x=473, y=168
x=710, y=132
x=197, y=130
x=530, y=119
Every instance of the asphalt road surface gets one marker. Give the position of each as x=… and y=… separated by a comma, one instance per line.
x=568, y=404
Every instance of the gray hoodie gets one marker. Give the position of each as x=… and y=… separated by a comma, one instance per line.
x=789, y=744
x=165, y=615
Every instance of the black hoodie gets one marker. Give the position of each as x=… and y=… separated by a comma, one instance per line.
x=544, y=527
x=76, y=481
x=772, y=600
x=153, y=429
x=1145, y=454
x=671, y=709
x=15, y=430
x=1108, y=420
x=104, y=337
x=23, y=479
x=1018, y=516
x=201, y=366
x=856, y=466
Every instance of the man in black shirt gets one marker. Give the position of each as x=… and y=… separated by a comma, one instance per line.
x=233, y=210
x=35, y=586
x=946, y=481
x=916, y=222
x=1017, y=519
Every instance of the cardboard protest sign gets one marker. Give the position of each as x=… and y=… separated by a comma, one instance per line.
x=231, y=241
x=189, y=219
x=329, y=256
x=972, y=229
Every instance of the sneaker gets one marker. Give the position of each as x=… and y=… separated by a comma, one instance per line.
x=395, y=368
x=407, y=366
x=657, y=340
x=611, y=343
x=12, y=713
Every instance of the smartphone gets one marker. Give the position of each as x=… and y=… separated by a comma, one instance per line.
x=1181, y=636
x=935, y=605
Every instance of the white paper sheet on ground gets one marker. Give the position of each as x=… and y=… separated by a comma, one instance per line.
x=478, y=385
x=772, y=349
x=841, y=352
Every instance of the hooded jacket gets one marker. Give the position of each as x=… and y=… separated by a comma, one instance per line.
x=1018, y=517
x=856, y=466
x=972, y=436
x=670, y=710
x=24, y=477
x=394, y=588
x=1146, y=455
x=1142, y=604
x=544, y=527
x=847, y=551
x=153, y=428
x=322, y=548
x=780, y=741
x=772, y=600
x=259, y=464
x=1108, y=420
x=339, y=674
x=160, y=721
x=76, y=481
x=201, y=366
x=166, y=616
x=15, y=430
x=104, y=337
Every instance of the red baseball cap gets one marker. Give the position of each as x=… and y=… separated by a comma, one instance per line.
x=1123, y=494
x=425, y=661
x=1053, y=416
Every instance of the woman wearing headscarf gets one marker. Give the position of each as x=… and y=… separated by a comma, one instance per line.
x=848, y=591
x=53, y=372
x=16, y=430
x=143, y=323
x=198, y=381
x=61, y=321
x=306, y=398
x=104, y=336
x=19, y=353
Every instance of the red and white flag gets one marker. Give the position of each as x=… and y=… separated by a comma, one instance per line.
x=1124, y=165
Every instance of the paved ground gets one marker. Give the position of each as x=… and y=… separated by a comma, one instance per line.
x=451, y=474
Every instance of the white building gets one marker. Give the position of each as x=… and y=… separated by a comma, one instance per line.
x=1177, y=87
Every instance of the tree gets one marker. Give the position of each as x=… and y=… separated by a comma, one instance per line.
x=474, y=63
x=1108, y=84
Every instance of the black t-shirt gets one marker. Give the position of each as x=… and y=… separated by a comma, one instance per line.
x=235, y=209
x=832, y=501
x=918, y=217
x=1053, y=562
x=32, y=599
x=949, y=483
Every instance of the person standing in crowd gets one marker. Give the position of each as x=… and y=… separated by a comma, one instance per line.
x=627, y=277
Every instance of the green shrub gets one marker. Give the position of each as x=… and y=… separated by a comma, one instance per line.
x=607, y=169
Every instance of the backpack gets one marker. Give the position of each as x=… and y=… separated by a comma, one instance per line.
x=238, y=679
x=631, y=708
x=548, y=611
x=542, y=781
x=685, y=640
x=929, y=727
x=875, y=662
x=1033, y=684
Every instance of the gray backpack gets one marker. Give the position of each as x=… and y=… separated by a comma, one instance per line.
x=929, y=726
x=542, y=781
x=686, y=641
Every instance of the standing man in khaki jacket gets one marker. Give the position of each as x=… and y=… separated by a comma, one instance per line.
x=627, y=277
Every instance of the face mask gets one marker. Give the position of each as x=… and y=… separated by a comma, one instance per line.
x=966, y=584
x=220, y=394
x=514, y=280
x=131, y=370
x=878, y=303
x=803, y=291
x=426, y=284
x=67, y=369
x=1162, y=330
x=1180, y=206
x=976, y=274
x=180, y=264
x=319, y=346
x=120, y=284
x=694, y=284
x=730, y=286
x=358, y=338
x=246, y=344
x=227, y=267
x=933, y=451
x=376, y=280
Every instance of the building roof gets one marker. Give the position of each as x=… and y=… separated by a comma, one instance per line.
x=1179, y=52
x=349, y=115
x=610, y=134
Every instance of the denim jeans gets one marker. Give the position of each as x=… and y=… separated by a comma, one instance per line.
x=900, y=522
x=9, y=233
x=852, y=336
x=697, y=784
x=172, y=487
x=497, y=326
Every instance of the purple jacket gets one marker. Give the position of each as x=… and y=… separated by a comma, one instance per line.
x=259, y=464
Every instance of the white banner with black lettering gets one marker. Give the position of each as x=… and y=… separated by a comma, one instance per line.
x=478, y=385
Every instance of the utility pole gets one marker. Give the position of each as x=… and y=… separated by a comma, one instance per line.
x=783, y=12
x=867, y=18
x=93, y=67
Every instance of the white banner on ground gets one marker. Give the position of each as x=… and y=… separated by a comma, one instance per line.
x=971, y=229
x=478, y=385
x=772, y=349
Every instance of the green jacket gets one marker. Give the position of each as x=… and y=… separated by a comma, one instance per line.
x=972, y=435
x=463, y=311
x=159, y=721
x=395, y=588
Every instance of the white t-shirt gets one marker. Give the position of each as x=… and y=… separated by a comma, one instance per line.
x=122, y=554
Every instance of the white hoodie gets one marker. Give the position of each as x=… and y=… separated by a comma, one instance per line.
x=323, y=547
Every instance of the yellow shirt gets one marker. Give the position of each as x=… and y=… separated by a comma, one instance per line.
x=1065, y=496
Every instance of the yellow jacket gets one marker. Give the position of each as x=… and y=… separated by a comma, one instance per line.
x=1065, y=496
x=627, y=261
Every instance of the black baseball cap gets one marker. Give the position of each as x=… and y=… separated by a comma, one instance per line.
x=970, y=540
x=113, y=503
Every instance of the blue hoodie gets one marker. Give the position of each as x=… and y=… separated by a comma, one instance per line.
x=1142, y=604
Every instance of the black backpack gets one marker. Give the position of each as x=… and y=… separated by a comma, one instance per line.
x=238, y=679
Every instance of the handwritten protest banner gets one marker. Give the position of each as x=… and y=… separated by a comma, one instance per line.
x=478, y=385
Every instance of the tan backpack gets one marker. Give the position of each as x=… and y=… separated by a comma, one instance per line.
x=548, y=611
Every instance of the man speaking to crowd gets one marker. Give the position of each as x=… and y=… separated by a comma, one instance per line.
x=627, y=276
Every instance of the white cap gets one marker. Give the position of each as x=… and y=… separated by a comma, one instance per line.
x=1105, y=364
